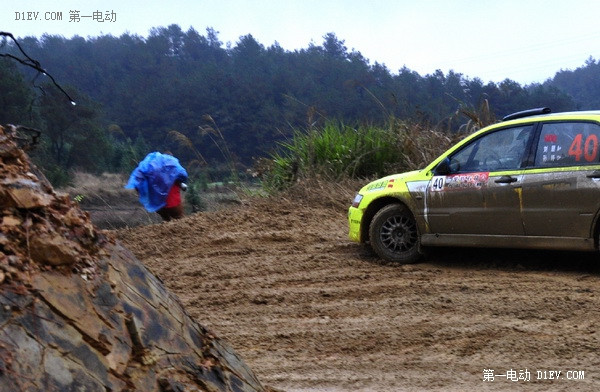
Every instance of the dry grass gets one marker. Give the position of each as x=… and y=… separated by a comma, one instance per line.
x=318, y=192
x=106, y=189
x=109, y=204
x=421, y=144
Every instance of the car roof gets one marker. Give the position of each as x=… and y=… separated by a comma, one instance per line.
x=536, y=117
x=590, y=115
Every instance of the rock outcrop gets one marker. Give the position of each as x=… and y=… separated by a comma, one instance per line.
x=78, y=312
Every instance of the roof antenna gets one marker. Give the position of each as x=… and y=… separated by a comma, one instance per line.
x=28, y=61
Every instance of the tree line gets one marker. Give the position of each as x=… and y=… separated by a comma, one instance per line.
x=132, y=92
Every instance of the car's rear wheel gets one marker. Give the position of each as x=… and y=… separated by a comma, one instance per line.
x=394, y=236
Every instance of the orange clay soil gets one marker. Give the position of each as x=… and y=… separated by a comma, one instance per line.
x=310, y=311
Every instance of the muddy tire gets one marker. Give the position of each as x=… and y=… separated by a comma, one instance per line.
x=394, y=235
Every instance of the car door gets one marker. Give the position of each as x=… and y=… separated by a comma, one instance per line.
x=481, y=193
x=561, y=193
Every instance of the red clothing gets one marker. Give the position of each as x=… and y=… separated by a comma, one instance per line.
x=174, y=197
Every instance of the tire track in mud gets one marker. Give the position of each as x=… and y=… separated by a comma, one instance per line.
x=310, y=311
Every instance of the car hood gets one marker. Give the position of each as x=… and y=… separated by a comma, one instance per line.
x=382, y=183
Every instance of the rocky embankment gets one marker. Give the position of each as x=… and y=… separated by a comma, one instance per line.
x=79, y=312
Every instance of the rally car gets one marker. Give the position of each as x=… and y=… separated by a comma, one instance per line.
x=530, y=181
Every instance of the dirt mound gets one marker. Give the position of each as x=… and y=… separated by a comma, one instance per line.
x=310, y=311
x=80, y=312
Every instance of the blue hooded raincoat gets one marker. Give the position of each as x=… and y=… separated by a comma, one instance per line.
x=154, y=177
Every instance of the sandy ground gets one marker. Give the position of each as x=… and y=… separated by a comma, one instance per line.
x=310, y=311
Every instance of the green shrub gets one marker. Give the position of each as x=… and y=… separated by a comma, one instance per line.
x=58, y=176
x=334, y=152
x=337, y=152
x=193, y=199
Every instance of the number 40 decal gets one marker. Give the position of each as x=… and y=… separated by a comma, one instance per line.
x=589, y=150
x=437, y=183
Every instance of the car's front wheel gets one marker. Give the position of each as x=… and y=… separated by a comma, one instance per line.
x=394, y=236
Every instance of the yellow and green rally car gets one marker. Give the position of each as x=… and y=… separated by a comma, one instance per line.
x=530, y=181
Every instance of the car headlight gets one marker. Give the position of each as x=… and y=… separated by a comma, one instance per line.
x=357, y=199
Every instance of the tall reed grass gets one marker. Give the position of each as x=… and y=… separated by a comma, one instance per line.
x=338, y=152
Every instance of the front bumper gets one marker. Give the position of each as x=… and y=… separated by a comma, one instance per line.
x=355, y=216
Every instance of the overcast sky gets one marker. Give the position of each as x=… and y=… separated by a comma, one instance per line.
x=523, y=40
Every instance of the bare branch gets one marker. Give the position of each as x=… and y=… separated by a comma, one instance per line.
x=28, y=61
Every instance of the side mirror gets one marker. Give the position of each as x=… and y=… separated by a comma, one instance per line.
x=443, y=168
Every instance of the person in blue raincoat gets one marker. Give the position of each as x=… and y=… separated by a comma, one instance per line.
x=158, y=180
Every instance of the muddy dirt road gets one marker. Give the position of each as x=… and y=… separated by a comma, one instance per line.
x=310, y=311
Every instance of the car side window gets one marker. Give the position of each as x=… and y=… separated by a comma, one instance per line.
x=568, y=144
x=500, y=150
